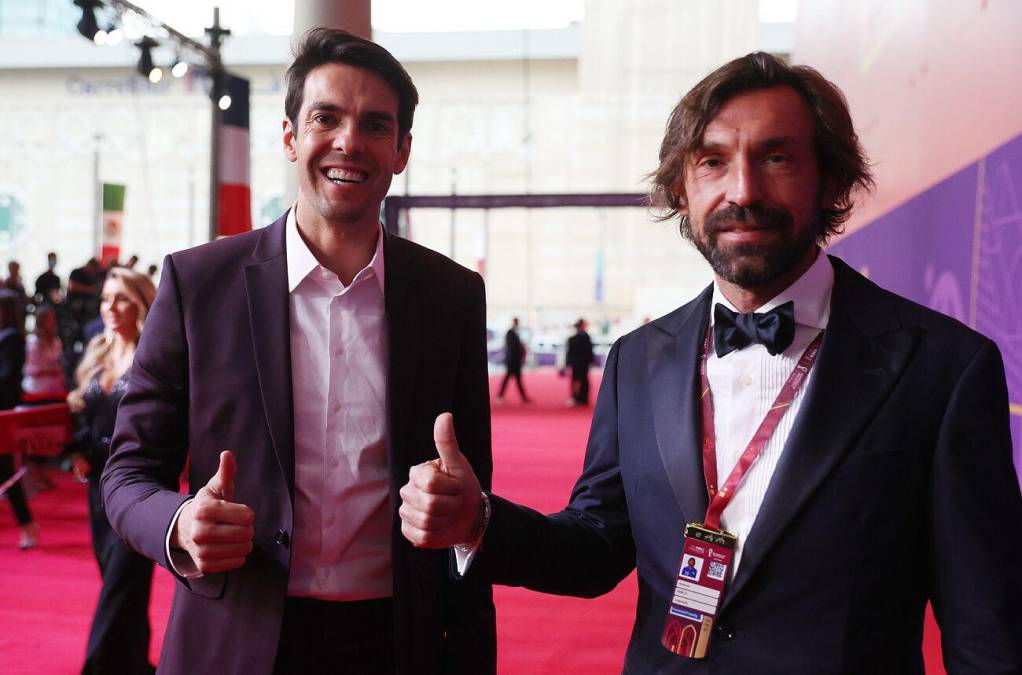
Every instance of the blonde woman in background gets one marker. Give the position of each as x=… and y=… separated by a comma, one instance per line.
x=119, y=638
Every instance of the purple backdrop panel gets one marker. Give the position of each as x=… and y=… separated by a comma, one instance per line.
x=922, y=249
x=999, y=283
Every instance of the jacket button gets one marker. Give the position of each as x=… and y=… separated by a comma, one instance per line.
x=724, y=632
x=282, y=538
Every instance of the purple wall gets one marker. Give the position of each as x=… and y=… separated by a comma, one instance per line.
x=957, y=248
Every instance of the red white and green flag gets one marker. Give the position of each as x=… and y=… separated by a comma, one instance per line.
x=113, y=221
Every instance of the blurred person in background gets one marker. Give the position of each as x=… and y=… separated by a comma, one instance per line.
x=514, y=358
x=44, y=371
x=119, y=637
x=12, y=361
x=579, y=358
x=47, y=284
x=14, y=283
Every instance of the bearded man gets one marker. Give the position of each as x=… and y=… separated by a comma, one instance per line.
x=831, y=456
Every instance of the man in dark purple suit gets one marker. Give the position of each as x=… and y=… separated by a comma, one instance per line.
x=298, y=369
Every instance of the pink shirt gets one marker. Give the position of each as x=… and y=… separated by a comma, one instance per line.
x=342, y=529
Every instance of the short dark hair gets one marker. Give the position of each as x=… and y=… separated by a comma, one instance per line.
x=840, y=158
x=321, y=45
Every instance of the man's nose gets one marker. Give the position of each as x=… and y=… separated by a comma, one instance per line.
x=745, y=187
x=348, y=139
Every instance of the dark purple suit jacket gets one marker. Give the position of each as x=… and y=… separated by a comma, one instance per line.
x=213, y=372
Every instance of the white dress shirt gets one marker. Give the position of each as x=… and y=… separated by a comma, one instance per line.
x=744, y=384
x=341, y=538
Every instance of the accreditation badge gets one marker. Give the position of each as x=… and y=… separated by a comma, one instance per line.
x=702, y=574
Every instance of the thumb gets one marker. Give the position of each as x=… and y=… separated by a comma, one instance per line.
x=222, y=483
x=451, y=459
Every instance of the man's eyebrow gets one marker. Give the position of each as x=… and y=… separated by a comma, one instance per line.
x=323, y=105
x=775, y=142
x=767, y=144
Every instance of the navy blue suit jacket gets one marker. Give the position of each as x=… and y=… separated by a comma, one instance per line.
x=896, y=486
x=213, y=372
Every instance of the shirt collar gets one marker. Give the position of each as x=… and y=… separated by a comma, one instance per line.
x=811, y=293
x=301, y=262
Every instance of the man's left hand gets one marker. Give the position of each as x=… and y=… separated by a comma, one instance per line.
x=441, y=500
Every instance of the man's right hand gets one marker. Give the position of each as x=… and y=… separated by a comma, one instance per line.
x=213, y=530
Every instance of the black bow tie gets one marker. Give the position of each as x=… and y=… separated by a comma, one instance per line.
x=774, y=329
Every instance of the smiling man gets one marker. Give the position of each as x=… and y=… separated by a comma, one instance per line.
x=297, y=371
x=836, y=456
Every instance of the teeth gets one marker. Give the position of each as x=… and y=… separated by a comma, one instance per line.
x=346, y=175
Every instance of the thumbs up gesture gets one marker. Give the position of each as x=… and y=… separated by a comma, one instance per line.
x=215, y=532
x=441, y=501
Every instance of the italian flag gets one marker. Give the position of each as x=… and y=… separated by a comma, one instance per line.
x=113, y=221
x=234, y=198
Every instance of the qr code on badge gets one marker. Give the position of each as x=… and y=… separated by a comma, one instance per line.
x=716, y=570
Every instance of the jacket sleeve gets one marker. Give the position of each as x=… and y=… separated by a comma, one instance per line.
x=584, y=550
x=149, y=445
x=976, y=511
x=470, y=618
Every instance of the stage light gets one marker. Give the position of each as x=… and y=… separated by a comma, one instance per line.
x=225, y=102
x=180, y=67
x=87, y=25
x=114, y=36
x=145, y=60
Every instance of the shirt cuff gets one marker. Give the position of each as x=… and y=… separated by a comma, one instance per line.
x=179, y=560
x=464, y=554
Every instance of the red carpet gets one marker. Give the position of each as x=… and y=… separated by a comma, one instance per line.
x=47, y=594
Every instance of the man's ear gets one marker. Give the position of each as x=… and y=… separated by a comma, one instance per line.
x=290, y=143
x=404, y=149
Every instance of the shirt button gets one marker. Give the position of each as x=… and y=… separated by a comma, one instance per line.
x=338, y=351
x=337, y=407
x=281, y=538
x=746, y=379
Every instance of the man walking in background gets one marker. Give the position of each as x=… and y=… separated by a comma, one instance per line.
x=578, y=359
x=514, y=358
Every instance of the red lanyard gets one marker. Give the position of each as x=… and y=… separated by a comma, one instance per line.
x=720, y=500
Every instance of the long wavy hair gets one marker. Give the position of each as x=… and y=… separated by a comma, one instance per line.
x=844, y=168
x=141, y=292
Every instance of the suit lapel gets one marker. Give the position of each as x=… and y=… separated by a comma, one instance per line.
x=864, y=351
x=404, y=305
x=269, y=316
x=673, y=361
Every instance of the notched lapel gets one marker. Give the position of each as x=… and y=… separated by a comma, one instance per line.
x=673, y=350
x=861, y=360
x=269, y=314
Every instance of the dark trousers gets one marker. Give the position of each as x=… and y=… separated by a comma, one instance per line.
x=341, y=638
x=119, y=637
x=516, y=374
x=15, y=493
x=580, y=385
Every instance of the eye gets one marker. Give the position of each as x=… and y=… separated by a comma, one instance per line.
x=322, y=119
x=776, y=158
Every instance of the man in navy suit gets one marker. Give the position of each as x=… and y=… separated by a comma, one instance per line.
x=883, y=479
x=297, y=369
